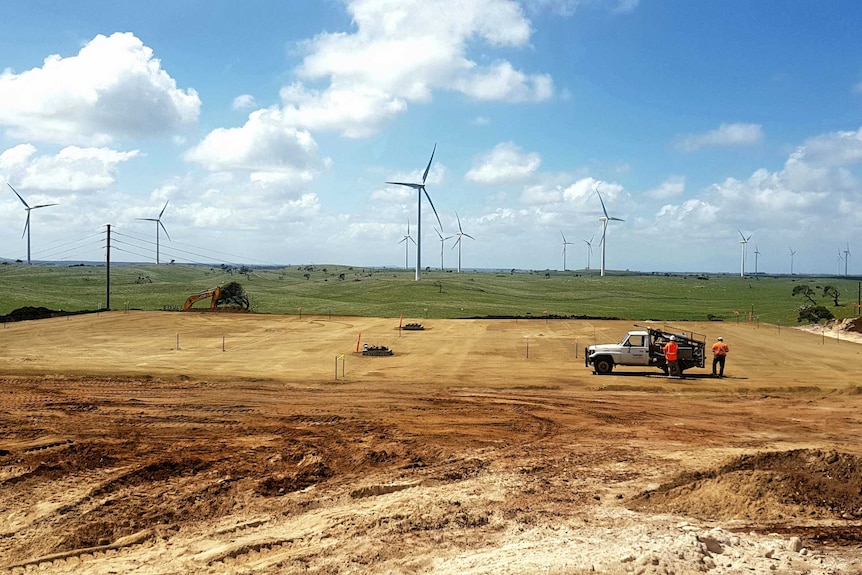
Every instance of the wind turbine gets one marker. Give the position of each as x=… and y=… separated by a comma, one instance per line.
x=589, y=250
x=792, y=253
x=604, y=219
x=406, y=241
x=158, y=221
x=744, y=243
x=846, y=257
x=442, y=242
x=756, y=253
x=565, y=243
x=461, y=234
x=838, y=262
x=420, y=189
x=29, y=208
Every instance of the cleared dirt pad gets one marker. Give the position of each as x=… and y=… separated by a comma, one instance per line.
x=196, y=443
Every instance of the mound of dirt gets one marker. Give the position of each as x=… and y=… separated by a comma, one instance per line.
x=852, y=324
x=766, y=487
x=30, y=312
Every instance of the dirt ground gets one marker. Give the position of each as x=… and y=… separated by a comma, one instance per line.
x=159, y=442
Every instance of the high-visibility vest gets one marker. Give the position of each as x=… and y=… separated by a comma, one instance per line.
x=670, y=351
x=720, y=348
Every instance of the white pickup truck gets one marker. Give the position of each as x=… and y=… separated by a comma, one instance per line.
x=643, y=347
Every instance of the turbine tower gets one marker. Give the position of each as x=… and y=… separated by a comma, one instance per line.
x=158, y=221
x=442, y=242
x=29, y=208
x=420, y=189
x=589, y=250
x=756, y=253
x=792, y=253
x=743, y=242
x=604, y=219
x=846, y=257
x=461, y=234
x=406, y=241
x=565, y=243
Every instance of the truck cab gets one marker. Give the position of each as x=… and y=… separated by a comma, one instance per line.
x=634, y=348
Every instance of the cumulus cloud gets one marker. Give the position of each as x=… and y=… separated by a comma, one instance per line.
x=400, y=53
x=505, y=164
x=243, y=102
x=737, y=134
x=268, y=148
x=71, y=169
x=672, y=187
x=816, y=189
x=112, y=89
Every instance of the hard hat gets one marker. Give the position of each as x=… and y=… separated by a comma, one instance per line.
x=673, y=338
x=720, y=338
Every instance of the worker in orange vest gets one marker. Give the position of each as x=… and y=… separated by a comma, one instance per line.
x=671, y=356
x=719, y=355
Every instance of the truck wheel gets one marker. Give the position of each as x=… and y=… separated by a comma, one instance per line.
x=603, y=365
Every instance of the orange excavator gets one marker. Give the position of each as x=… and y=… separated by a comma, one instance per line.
x=213, y=293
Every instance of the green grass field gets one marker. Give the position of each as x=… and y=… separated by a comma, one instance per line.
x=342, y=290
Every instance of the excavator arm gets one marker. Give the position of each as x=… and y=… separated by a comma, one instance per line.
x=194, y=298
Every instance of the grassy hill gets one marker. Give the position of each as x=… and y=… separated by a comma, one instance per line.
x=343, y=290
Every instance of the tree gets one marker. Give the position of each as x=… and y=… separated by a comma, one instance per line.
x=813, y=314
x=233, y=294
x=831, y=291
x=806, y=291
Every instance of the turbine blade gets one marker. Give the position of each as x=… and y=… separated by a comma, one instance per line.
x=163, y=210
x=432, y=205
x=164, y=228
x=43, y=206
x=469, y=236
x=616, y=219
x=17, y=194
x=26, y=224
x=603, y=202
x=414, y=186
x=428, y=167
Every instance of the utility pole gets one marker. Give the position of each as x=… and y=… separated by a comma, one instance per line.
x=108, y=269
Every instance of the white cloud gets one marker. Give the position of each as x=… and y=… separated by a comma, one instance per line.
x=672, y=187
x=737, y=134
x=357, y=112
x=813, y=193
x=113, y=88
x=505, y=164
x=266, y=147
x=401, y=52
x=71, y=169
x=243, y=102
x=502, y=82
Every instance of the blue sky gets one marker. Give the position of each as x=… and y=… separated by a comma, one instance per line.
x=271, y=127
